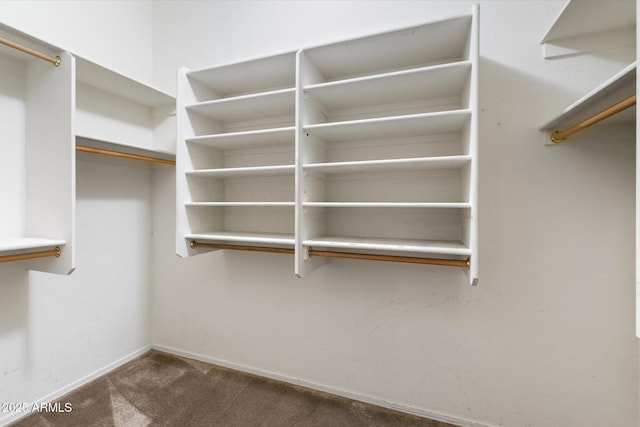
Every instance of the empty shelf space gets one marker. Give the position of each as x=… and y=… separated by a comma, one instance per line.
x=26, y=244
x=444, y=162
x=614, y=89
x=262, y=137
x=391, y=245
x=244, y=171
x=428, y=83
x=391, y=127
x=433, y=43
x=240, y=204
x=114, y=149
x=257, y=75
x=592, y=22
x=254, y=106
x=110, y=81
x=429, y=205
x=246, y=238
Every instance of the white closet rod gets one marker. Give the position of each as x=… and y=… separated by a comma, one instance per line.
x=55, y=61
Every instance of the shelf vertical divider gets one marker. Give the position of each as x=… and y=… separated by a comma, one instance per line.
x=183, y=163
x=50, y=160
x=304, y=226
x=473, y=147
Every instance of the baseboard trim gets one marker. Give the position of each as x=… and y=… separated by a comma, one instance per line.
x=75, y=384
x=323, y=388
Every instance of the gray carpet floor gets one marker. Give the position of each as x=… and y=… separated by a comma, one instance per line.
x=159, y=389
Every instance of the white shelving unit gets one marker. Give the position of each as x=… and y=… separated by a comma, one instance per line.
x=47, y=110
x=37, y=158
x=614, y=89
x=236, y=154
x=587, y=26
x=116, y=112
x=387, y=146
x=379, y=132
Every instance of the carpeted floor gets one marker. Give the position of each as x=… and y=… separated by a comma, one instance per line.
x=159, y=389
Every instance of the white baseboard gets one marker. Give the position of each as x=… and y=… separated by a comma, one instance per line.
x=75, y=384
x=324, y=388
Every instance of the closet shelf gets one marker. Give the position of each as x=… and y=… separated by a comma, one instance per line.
x=240, y=204
x=432, y=43
x=110, y=81
x=256, y=75
x=602, y=23
x=378, y=141
x=613, y=90
x=248, y=107
x=93, y=145
x=441, y=81
x=421, y=163
x=392, y=245
x=391, y=127
x=244, y=171
x=242, y=237
x=429, y=205
x=253, y=138
x=21, y=244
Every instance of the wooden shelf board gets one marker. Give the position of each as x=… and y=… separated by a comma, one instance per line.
x=262, y=137
x=428, y=205
x=23, y=244
x=244, y=171
x=393, y=245
x=240, y=204
x=437, y=42
x=579, y=18
x=243, y=237
x=422, y=163
x=249, y=76
x=101, y=143
x=392, y=127
x=447, y=80
x=103, y=78
x=254, y=106
x=614, y=89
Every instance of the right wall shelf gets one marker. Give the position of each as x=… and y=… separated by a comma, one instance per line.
x=385, y=160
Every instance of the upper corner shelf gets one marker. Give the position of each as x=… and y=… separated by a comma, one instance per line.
x=586, y=25
x=258, y=75
x=436, y=43
x=95, y=75
x=619, y=87
x=115, y=109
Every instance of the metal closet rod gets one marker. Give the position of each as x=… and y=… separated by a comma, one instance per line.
x=30, y=255
x=463, y=263
x=124, y=155
x=559, y=136
x=55, y=61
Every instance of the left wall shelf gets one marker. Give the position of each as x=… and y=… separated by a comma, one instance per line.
x=37, y=158
x=116, y=112
x=47, y=110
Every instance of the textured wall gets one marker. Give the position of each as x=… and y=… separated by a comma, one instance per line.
x=546, y=339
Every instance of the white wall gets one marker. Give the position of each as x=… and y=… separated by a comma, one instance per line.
x=113, y=33
x=546, y=339
x=56, y=330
